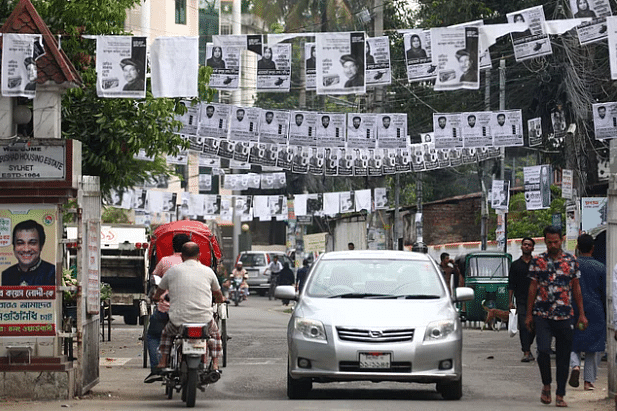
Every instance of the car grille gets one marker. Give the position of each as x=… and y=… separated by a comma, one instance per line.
x=354, y=366
x=375, y=336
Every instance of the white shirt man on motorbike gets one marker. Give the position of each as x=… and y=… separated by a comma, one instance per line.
x=191, y=286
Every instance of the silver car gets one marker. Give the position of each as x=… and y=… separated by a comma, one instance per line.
x=375, y=316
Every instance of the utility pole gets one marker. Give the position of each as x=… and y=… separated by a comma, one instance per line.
x=502, y=106
x=236, y=99
x=484, y=208
x=611, y=261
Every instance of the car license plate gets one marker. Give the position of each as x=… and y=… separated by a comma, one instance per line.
x=194, y=347
x=374, y=360
x=253, y=273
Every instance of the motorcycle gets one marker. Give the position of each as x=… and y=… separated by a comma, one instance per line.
x=187, y=364
x=235, y=291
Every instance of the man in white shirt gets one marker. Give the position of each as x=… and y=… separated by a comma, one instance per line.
x=191, y=286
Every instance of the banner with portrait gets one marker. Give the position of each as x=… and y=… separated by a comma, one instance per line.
x=310, y=66
x=392, y=130
x=121, y=66
x=506, y=128
x=361, y=130
x=596, y=10
x=190, y=119
x=274, y=68
x=456, y=55
x=534, y=131
x=534, y=41
x=302, y=128
x=244, y=124
x=447, y=130
x=331, y=129
x=500, y=195
x=605, y=120
x=340, y=63
x=378, y=69
x=214, y=120
x=418, y=54
x=225, y=63
x=476, y=129
x=537, y=183
x=19, y=70
x=274, y=126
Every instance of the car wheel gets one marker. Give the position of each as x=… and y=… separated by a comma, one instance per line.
x=452, y=390
x=298, y=389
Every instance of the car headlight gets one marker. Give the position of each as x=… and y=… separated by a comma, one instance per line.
x=311, y=329
x=438, y=330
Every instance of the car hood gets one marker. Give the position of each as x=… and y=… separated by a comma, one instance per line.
x=380, y=313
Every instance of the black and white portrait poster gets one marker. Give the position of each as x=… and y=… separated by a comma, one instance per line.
x=443, y=157
x=207, y=160
x=211, y=146
x=533, y=42
x=19, y=71
x=196, y=143
x=389, y=161
x=375, y=162
x=263, y=154
x=558, y=120
x=310, y=66
x=302, y=128
x=431, y=161
x=469, y=155
x=205, y=182
x=330, y=161
x=456, y=54
x=331, y=129
x=243, y=207
x=190, y=119
x=250, y=42
x=537, y=186
x=500, y=194
x=314, y=204
x=345, y=162
x=534, y=131
x=456, y=157
x=300, y=162
x=340, y=63
x=121, y=66
x=274, y=126
x=361, y=130
x=214, y=120
x=347, y=202
x=476, y=129
x=212, y=206
x=447, y=130
x=392, y=130
x=284, y=157
x=378, y=70
x=605, y=120
x=485, y=55
x=274, y=68
x=316, y=161
x=417, y=157
x=244, y=124
x=597, y=11
x=418, y=55
x=226, y=148
x=381, y=198
x=611, y=24
x=169, y=201
x=225, y=63
x=507, y=128
x=403, y=160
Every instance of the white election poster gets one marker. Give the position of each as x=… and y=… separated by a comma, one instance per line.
x=302, y=128
x=611, y=23
x=19, y=70
x=507, y=128
x=455, y=52
x=533, y=42
x=537, y=185
x=340, y=63
x=274, y=126
x=121, y=66
x=597, y=11
x=225, y=63
x=605, y=120
x=485, y=55
x=190, y=119
x=361, y=130
x=244, y=124
x=476, y=129
x=214, y=120
x=378, y=70
x=418, y=55
x=447, y=128
x=392, y=130
x=274, y=68
x=310, y=66
x=501, y=194
x=331, y=130
x=534, y=131
x=567, y=183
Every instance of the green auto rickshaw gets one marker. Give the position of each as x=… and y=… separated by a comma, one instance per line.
x=487, y=273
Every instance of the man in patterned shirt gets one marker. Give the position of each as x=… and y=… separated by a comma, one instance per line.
x=554, y=278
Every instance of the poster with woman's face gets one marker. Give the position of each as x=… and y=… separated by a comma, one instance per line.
x=596, y=12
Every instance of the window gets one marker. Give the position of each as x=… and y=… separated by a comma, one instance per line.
x=180, y=11
x=225, y=29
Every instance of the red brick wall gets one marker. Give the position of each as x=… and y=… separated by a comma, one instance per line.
x=452, y=221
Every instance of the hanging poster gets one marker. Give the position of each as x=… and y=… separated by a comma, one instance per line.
x=19, y=67
x=121, y=66
x=310, y=66
x=392, y=130
x=274, y=68
x=274, y=126
x=605, y=120
x=214, y=120
x=316, y=161
x=378, y=71
x=244, y=124
x=447, y=130
x=476, y=129
x=455, y=53
x=506, y=128
x=501, y=194
x=190, y=119
x=534, y=41
x=595, y=10
x=381, y=198
x=485, y=55
x=330, y=161
x=340, y=63
x=418, y=55
x=594, y=214
x=225, y=63
x=534, y=131
x=331, y=129
x=537, y=185
x=361, y=130
x=302, y=128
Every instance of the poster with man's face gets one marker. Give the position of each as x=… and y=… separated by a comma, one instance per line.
x=28, y=245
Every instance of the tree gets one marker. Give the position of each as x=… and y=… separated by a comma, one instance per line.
x=112, y=131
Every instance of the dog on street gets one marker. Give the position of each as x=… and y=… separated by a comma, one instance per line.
x=493, y=315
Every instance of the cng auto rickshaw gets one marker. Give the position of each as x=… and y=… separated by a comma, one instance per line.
x=487, y=273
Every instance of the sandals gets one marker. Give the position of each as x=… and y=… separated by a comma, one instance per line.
x=545, y=398
x=576, y=372
x=589, y=386
x=559, y=402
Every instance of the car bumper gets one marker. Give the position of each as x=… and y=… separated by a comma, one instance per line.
x=414, y=361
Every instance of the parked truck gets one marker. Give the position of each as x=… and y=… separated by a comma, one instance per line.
x=124, y=266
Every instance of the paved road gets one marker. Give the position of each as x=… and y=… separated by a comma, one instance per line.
x=494, y=377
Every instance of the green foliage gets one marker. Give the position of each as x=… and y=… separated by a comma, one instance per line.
x=113, y=215
x=523, y=223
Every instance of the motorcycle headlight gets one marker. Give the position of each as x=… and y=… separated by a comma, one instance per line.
x=311, y=329
x=438, y=330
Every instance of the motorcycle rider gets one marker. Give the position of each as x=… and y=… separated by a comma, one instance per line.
x=159, y=317
x=191, y=287
x=240, y=272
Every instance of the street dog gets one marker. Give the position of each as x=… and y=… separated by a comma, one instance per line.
x=493, y=315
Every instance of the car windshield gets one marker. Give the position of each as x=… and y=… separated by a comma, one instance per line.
x=381, y=278
x=253, y=260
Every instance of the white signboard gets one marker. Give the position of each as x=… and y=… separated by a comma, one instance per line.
x=33, y=163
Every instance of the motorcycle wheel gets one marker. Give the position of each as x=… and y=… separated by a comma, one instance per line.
x=237, y=298
x=224, y=341
x=191, y=387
